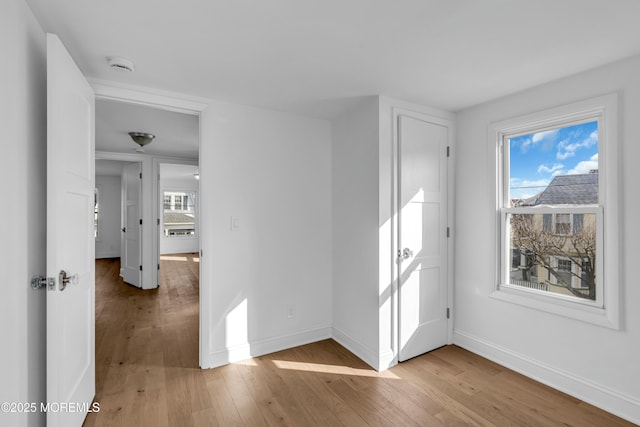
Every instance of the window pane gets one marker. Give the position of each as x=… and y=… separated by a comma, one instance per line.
x=179, y=216
x=554, y=167
x=563, y=223
x=548, y=261
x=577, y=222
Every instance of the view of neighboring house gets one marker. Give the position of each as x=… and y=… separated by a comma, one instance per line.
x=556, y=251
x=179, y=213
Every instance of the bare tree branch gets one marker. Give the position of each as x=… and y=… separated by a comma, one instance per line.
x=541, y=246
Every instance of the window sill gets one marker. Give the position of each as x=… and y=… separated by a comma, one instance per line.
x=565, y=308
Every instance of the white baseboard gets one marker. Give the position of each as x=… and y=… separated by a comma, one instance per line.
x=603, y=397
x=369, y=356
x=100, y=255
x=265, y=346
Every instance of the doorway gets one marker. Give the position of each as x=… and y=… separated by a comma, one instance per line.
x=179, y=228
x=117, y=214
x=158, y=314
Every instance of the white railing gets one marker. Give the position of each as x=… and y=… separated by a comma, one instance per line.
x=531, y=285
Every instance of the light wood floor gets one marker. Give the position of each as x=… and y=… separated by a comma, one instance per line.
x=147, y=375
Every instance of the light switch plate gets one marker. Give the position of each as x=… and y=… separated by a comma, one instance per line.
x=235, y=223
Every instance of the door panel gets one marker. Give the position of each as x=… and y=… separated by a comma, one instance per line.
x=422, y=219
x=70, y=241
x=132, y=256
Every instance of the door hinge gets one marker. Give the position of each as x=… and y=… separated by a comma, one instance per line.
x=448, y=313
x=140, y=268
x=140, y=221
x=140, y=175
x=448, y=231
x=158, y=221
x=158, y=266
x=448, y=151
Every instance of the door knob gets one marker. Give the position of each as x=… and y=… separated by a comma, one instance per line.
x=39, y=282
x=407, y=253
x=124, y=229
x=65, y=279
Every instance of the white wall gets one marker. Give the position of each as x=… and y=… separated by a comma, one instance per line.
x=355, y=201
x=273, y=172
x=22, y=172
x=109, y=216
x=178, y=244
x=596, y=364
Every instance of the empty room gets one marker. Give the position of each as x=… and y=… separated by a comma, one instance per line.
x=321, y=213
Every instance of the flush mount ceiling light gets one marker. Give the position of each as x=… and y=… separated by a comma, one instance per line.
x=121, y=64
x=142, y=139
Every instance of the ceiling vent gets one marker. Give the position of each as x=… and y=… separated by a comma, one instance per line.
x=122, y=65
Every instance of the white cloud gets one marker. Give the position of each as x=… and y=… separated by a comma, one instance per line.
x=564, y=155
x=585, y=166
x=546, y=135
x=553, y=170
x=524, y=188
x=568, y=149
x=546, y=138
x=540, y=183
x=525, y=145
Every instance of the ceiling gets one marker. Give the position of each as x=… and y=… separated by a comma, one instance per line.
x=311, y=57
x=176, y=133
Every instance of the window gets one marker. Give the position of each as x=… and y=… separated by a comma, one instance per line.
x=179, y=213
x=564, y=272
x=556, y=178
x=563, y=223
x=553, y=173
x=177, y=202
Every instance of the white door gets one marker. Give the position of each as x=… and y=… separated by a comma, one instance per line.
x=132, y=254
x=422, y=236
x=70, y=241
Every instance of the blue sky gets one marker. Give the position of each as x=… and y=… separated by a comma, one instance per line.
x=535, y=159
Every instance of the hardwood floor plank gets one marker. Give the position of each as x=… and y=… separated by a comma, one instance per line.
x=344, y=413
x=242, y=398
x=147, y=374
x=223, y=406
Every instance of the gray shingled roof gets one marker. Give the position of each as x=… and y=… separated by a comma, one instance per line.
x=177, y=218
x=569, y=190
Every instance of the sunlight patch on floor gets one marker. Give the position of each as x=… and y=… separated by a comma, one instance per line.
x=173, y=258
x=192, y=257
x=333, y=369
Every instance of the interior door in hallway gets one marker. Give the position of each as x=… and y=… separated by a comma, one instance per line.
x=132, y=227
x=422, y=236
x=70, y=238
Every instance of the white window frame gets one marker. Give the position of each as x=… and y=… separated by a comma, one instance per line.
x=173, y=192
x=605, y=310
